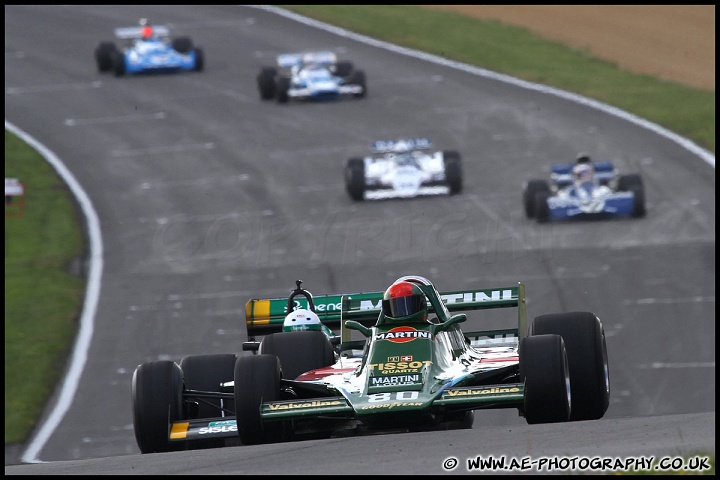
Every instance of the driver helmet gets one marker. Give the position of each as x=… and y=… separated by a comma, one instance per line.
x=583, y=158
x=404, y=301
x=301, y=319
x=146, y=31
x=583, y=172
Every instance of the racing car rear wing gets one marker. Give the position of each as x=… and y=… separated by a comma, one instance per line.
x=401, y=145
x=264, y=316
x=287, y=60
x=127, y=33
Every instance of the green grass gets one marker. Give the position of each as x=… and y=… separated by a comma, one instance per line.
x=690, y=112
x=43, y=298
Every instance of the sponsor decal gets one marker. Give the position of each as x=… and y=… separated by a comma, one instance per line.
x=222, y=423
x=319, y=307
x=404, y=358
x=495, y=295
x=369, y=305
x=395, y=380
x=218, y=427
x=391, y=405
x=403, y=335
x=486, y=391
x=398, y=399
x=314, y=403
x=492, y=296
x=399, y=367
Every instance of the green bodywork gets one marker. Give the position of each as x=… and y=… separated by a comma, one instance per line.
x=409, y=371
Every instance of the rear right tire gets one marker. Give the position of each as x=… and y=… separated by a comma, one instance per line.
x=182, y=45
x=207, y=372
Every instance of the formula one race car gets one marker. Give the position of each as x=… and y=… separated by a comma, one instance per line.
x=315, y=76
x=148, y=51
x=402, y=169
x=584, y=189
x=406, y=371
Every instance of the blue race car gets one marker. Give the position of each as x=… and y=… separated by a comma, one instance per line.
x=148, y=51
x=584, y=189
x=317, y=76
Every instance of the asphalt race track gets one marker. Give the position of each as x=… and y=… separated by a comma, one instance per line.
x=207, y=197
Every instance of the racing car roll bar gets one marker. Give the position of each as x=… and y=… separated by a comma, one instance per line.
x=300, y=291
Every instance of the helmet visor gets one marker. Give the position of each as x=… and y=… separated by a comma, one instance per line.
x=404, y=306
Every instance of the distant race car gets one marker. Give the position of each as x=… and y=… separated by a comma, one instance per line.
x=317, y=76
x=402, y=169
x=397, y=375
x=156, y=54
x=599, y=193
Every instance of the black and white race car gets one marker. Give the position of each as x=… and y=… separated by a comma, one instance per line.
x=403, y=168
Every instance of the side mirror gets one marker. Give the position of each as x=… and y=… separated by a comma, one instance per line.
x=335, y=341
x=250, y=346
x=353, y=325
x=459, y=318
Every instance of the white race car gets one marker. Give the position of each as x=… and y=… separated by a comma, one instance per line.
x=403, y=168
x=316, y=76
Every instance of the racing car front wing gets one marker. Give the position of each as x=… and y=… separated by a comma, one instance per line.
x=509, y=395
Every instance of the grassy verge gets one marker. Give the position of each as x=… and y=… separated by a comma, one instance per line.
x=42, y=297
x=690, y=112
